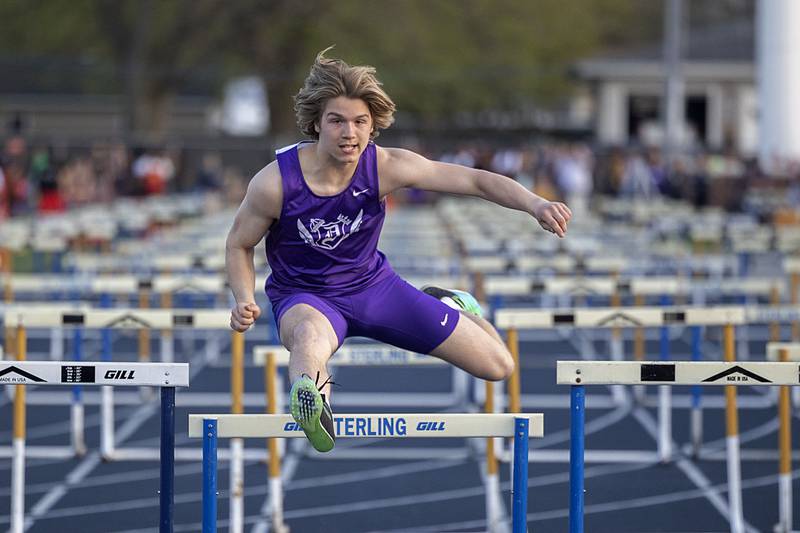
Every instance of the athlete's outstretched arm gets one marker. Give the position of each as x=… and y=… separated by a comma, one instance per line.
x=259, y=209
x=402, y=168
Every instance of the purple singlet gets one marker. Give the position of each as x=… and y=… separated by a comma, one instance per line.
x=326, y=243
x=323, y=253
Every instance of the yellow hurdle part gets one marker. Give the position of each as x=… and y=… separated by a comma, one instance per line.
x=794, y=287
x=514, y=392
x=785, y=447
x=144, y=333
x=774, y=327
x=638, y=334
x=236, y=513
x=18, y=456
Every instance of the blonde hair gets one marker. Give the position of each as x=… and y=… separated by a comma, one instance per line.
x=330, y=78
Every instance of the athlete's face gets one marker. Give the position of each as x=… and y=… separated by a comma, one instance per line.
x=344, y=128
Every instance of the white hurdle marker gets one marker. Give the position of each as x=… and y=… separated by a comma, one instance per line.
x=391, y=425
x=729, y=374
x=23, y=373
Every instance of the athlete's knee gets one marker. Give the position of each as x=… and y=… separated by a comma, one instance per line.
x=307, y=334
x=502, y=365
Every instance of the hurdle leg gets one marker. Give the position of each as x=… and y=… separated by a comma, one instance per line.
x=616, y=348
x=18, y=462
x=167, y=493
x=665, y=400
x=209, y=476
x=519, y=510
x=106, y=394
x=732, y=441
x=144, y=342
x=236, y=502
x=493, y=514
x=638, y=350
x=696, y=421
x=274, y=457
x=785, y=446
x=78, y=440
x=576, y=449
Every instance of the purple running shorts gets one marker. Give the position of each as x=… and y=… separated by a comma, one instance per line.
x=391, y=311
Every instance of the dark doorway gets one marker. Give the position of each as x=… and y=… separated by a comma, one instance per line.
x=696, y=113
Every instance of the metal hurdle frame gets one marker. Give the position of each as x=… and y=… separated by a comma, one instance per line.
x=22, y=373
x=730, y=374
x=639, y=317
x=60, y=317
x=394, y=425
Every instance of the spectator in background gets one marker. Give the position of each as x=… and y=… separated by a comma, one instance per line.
x=14, y=161
x=573, y=173
x=43, y=176
x=637, y=179
x=154, y=171
x=77, y=182
x=210, y=174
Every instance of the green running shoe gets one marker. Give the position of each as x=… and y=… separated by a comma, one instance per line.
x=312, y=413
x=462, y=299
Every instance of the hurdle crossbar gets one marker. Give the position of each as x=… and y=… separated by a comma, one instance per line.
x=519, y=426
x=581, y=373
x=24, y=373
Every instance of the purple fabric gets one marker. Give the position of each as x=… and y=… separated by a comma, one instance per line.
x=326, y=244
x=391, y=311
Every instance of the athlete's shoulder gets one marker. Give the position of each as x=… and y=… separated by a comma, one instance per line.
x=266, y=188
x=390, y=157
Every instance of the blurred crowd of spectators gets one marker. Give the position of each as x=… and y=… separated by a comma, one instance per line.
x=45, y=179
x=574, y=171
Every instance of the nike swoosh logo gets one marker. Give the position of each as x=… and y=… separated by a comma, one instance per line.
x=357, y=193
x=443, y=322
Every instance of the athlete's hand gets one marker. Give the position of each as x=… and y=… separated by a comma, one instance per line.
x=244, y=315
x=553, y=216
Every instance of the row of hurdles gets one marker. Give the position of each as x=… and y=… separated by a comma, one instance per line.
x=578, y=374
x=649, y=317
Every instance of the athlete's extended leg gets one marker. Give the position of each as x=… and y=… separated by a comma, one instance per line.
x=474, y=345
x=311, y=339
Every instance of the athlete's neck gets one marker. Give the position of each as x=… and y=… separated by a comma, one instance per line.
x=325, y=171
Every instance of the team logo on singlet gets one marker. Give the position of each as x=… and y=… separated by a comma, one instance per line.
x=329, y=235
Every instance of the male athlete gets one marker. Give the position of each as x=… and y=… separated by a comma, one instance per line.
x=321, y=205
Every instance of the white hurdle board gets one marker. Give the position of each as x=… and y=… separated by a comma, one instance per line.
x=373, y=425
x=118, y=318
x=94, y=373
x=676, y=373
x=613, y=317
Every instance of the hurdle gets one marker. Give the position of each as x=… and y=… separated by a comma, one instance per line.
x=639, y=317
x=730, y=374
x=91, y=318
x=23, y=373
x=393, y=425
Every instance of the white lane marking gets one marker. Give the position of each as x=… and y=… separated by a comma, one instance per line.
x=712, y=493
